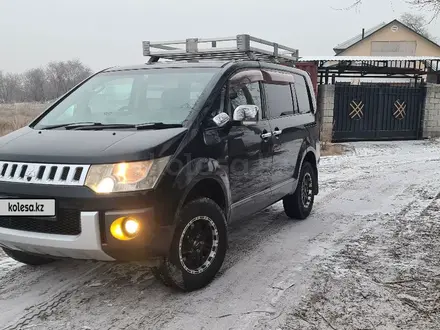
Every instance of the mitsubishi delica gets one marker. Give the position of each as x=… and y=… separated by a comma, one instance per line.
x=153, y=162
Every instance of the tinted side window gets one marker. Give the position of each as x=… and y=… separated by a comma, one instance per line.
x=279, y=100
x=245, y=94
x=244, y=89
x=302, y=94
x=295, y=100
x=217, y=107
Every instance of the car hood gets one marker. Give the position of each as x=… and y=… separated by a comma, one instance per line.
x=88, y=147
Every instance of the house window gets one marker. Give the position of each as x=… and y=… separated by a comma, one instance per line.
x=393, y=48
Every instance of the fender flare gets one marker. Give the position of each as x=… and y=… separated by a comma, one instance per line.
x=305, y=149
x=196, y=171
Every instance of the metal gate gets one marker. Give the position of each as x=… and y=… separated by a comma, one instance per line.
x=377, y=112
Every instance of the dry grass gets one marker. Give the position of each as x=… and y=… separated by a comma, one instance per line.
x=15, y=116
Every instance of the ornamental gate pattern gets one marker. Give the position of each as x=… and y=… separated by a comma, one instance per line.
x=377, y=112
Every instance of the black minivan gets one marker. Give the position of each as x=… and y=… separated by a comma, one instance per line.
x=152, y=162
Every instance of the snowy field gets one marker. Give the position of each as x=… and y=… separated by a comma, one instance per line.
x=367, y=258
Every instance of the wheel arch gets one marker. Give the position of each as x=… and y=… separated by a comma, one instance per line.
x=204, y=178
x=209, y=188
x=308, y=155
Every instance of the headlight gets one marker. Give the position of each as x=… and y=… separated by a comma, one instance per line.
x=130, y=176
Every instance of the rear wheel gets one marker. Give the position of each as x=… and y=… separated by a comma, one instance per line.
x=26, y=258
x=300, y=204
x=198, y=248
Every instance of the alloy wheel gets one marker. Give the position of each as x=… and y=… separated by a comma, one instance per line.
x=198, y=244
x=307, y=190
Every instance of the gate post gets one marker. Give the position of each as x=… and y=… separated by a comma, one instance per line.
x=326, y=103
x=431, y=111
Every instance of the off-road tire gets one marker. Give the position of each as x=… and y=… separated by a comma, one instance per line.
x=26, y=258
x=172, y=270
x=293, y=204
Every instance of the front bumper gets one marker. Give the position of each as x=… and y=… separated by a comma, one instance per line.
x=82, y=227
x=95, y=241
x=87, y=245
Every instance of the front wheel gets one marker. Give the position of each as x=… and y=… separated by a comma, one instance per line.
x=198, y=248
x=299, y=205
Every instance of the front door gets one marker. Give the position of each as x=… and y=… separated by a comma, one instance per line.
x=249, y=148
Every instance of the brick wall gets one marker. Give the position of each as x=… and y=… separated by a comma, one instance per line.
x=431, y=122
x=326, y=103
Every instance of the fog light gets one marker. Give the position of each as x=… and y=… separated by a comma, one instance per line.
x=130, y=226
x=125, y=228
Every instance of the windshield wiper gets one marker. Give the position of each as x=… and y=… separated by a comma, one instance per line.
x=101, y=125
x=157, y=125
x=92, y=125
x=71, y=125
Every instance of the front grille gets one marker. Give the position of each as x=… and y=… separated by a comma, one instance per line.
x=54, y=174
x=68, y=222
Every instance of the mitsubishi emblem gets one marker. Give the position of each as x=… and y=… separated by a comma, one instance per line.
x=31, y=173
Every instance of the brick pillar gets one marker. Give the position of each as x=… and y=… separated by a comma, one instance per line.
x=431, y=121
x=326, y=103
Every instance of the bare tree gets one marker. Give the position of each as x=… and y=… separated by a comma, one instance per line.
x=418, y=23
x=76, y=72
x=432, y=6
x=34, y=85
x=41, y=84
x=12, y=88
x=56, y=77
x=429, y=6
x=62, y=76
x=2, y=92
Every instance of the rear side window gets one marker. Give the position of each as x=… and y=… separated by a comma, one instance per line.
x=302, y=94
x=279, y=100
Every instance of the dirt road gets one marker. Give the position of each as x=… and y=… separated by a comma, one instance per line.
x=367, y=258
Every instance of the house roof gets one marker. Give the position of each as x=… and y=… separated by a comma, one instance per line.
x=356, y=39
x=351, y=42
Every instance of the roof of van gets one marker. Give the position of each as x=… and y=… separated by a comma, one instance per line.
x=172, y=64
x=202, y=64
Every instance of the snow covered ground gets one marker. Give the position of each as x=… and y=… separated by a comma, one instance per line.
x=367, y=258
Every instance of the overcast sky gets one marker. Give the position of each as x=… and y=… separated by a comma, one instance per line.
x=106, y=33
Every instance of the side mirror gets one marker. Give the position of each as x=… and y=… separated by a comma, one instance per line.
x=246, y=114
x=221, y=119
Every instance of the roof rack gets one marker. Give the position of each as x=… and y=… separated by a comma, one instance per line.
x=192, y=50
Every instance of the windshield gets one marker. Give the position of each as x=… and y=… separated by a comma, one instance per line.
x=132, y=97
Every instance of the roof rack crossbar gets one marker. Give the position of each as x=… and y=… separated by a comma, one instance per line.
x=192, y=49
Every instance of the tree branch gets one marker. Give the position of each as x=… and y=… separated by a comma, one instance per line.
x=431, y=6
x=428, y=6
